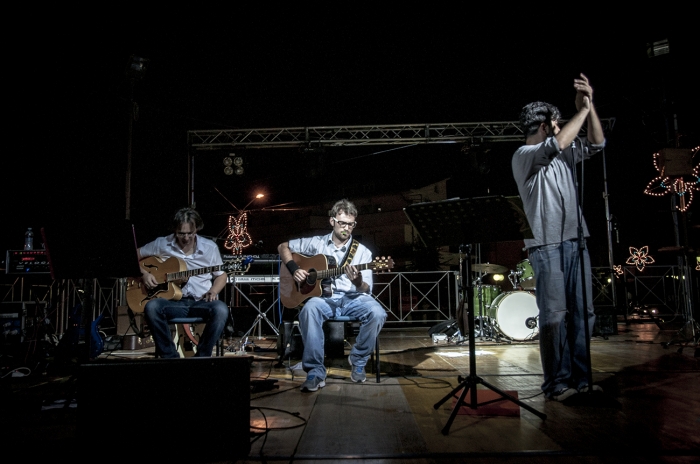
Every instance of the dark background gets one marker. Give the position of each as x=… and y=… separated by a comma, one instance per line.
x=68, y=96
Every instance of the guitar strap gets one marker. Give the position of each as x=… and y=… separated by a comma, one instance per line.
x=350, y=254
x=326, y=285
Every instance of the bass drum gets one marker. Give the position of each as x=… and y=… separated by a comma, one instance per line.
x=514, y=315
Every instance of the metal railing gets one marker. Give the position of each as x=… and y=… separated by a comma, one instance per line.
x=410, y=298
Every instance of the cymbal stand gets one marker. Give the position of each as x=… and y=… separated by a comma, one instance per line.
x=470, y=382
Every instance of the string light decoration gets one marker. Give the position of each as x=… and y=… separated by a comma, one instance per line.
x=618, y=270
x=679, y=184
x=238, y=237
x=640, y=257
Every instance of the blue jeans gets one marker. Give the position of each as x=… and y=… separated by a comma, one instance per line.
x=317, y=310
x=159, y=311
x=559, y=293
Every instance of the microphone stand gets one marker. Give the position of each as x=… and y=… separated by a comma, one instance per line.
x=582, y=263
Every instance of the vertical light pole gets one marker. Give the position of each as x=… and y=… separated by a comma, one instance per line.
x=135, y=71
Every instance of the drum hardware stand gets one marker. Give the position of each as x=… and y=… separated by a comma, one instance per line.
x=497, y=223
x=482, y=320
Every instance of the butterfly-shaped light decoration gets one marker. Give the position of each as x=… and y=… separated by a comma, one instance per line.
x=238, y=237
x=640, y=257
x=618, y=270
x=683, y=186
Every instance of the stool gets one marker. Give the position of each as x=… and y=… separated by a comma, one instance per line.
x=186, y=321
x=374, y=360
x=334, y=341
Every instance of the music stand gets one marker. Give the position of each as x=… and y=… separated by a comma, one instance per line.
x=82, y=250
x=461, y=222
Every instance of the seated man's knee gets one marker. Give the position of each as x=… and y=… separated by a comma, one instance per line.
x=219, y=310
x=310, y=309
x=377, y=312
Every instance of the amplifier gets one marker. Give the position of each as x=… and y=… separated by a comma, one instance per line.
x=27, y=262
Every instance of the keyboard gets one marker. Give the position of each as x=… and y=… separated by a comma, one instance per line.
x=254, y=279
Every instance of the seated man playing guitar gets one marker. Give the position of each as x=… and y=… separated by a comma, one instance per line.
x=199, y=294
x=347, y=294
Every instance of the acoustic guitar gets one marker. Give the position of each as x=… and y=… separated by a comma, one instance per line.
x=168, y=273
x=319, y=267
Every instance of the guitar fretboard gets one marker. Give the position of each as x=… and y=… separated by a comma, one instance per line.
x=184, y=274
x=341, y=270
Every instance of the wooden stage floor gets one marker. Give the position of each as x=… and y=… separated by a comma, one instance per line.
x=649, y=411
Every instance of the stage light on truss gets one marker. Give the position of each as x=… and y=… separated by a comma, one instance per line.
x=228, y=170
x=238, y=162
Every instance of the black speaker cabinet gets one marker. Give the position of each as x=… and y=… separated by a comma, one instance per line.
x=172, y=410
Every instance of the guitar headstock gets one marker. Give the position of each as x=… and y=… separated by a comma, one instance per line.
x=237, y=265
x=383, y=264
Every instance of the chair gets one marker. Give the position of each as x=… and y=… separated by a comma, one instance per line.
x=184, y=339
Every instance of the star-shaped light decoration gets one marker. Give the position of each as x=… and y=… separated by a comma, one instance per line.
x=618, y=270
x=238, y=237
x=681, y=185
x=640, y=257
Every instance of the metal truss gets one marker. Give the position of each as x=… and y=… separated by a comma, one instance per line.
x=365, y=135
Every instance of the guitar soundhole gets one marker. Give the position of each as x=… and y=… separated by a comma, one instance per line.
x=311, y=278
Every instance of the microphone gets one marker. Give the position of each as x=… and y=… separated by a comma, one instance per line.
x=531, y=322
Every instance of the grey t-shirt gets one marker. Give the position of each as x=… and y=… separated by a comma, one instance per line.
x=545, y=179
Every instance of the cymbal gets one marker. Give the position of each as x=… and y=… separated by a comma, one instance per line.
x=489, y=268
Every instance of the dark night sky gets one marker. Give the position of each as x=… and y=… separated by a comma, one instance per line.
x=68, y=107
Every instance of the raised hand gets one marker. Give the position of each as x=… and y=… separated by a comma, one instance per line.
x=584, y=93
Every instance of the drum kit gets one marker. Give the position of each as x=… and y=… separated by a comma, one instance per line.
x=512, y=315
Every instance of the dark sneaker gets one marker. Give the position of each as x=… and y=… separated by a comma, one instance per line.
x=357, y=373
x=312, y=384
x=563, y=394
x=594, y=388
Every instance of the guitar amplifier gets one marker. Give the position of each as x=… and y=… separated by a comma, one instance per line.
x=27, y=262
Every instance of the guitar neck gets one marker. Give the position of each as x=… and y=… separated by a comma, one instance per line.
x=172, y=276
x=341, y=270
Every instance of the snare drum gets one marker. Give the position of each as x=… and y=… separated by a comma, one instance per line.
x=488, y=294
x=515, y=315
x=526, y=274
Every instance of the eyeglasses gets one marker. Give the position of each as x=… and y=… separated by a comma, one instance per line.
x=185, y=234
x=349, y=225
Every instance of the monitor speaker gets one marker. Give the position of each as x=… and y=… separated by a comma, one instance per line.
x=178, y=410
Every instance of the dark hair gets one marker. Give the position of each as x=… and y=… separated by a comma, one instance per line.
x=344, y=205
x=535, y=113
x=186, y=216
